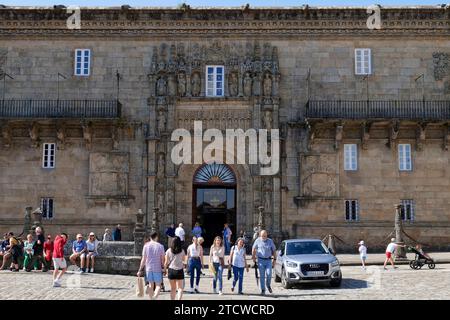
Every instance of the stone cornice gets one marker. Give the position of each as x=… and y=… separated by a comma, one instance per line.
x=408, y=21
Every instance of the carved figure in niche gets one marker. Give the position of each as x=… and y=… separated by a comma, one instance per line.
x=247, y=84
x=7, y=135
x=267, y=85
x=182, y=84
x=161, y=86
x=233, y=84
x=161, y=165
x=160, y=201
x=196, y=85
x=267, y=204
x=34, y=135
x=161, y=121
x=268, y=119
x=172, y=85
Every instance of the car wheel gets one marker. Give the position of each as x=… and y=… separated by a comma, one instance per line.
x=277, y=278
x=284, y=280
x=335, y=283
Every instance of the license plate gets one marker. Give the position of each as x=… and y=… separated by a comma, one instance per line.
x=315, y=273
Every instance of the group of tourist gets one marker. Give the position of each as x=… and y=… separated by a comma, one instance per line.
x=157, y=263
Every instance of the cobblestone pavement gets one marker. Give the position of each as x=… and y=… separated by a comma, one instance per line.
x=374, y=283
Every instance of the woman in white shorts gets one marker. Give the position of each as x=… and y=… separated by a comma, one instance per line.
x=92, y=245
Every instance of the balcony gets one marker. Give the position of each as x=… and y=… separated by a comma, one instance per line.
x=74, y=109
x=393, y=109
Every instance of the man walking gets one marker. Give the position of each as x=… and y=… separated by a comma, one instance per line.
x=117, y=234
x=153, y=256
x=264, y=250
x=59, y=263
x=179, y=232
x=170, y=233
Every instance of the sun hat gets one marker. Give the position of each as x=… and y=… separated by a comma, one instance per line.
x=361, y=242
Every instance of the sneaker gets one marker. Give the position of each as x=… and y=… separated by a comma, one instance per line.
x=196, y=290
x=15, y=270
x=232, y=289
x=56, y=284
x=241, y=293
x=263, y=293
x=191, y=290
x=92, y=270
x=215, y=290
x=269, y=289
x=220, y=293
x=178, y=296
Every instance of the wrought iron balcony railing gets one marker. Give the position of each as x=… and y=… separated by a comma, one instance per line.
x=393, y=109
x=92, y=109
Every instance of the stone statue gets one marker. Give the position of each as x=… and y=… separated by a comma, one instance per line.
x=233, y=85
x=196, y=85
x=182, y=84
x=161, y=86
x=267, y=85
x=267, y=204
x=161, y=165
x=34, y=134
x=160, y=201
x=172, y=85
x=247, y=84
x=268, y=119
x=161, y=121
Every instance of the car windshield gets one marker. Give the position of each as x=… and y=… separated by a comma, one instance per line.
x=305, y=247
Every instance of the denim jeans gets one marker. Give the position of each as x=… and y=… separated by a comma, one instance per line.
x=265, y=273
x=218, y=276
x=227, y=246
x=238, y=276
x=194, y=264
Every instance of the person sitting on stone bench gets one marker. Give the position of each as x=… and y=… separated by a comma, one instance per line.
x=79, y=249
x=92, y=246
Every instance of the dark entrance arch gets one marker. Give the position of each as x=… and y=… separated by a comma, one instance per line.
x=214, y=200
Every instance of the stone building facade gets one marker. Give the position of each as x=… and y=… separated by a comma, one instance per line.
x=286, y=69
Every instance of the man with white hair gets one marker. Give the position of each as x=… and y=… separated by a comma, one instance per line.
x=179, y=232
x=263, y=250
x=390, y=251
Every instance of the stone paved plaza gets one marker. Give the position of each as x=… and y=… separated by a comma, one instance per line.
x=374, y=283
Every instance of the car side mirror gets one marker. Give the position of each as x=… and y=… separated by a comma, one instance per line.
x=280, y=253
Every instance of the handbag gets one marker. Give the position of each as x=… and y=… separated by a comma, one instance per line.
x=140, y=287
x=229, y=274
x=212, y=269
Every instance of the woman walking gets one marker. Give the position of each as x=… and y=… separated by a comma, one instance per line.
x=174, y=264
x=216, y=258
x=238, y=261
x=195, y=257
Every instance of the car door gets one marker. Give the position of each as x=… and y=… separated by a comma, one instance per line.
x=280, y=258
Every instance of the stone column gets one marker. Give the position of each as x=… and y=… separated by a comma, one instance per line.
x=400, y=252
x=155, y=220
x=261, y=224
x=139, y=233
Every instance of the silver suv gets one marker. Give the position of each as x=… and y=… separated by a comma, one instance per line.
x=306, y=260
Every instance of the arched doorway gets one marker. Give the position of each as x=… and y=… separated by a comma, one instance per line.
x=214, y=199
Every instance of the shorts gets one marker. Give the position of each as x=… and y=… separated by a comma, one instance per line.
x=388, y=255
x=82, y=256
x=174, y=274
x=59, y=263
x=92, y=254
x=363, y=258
x=155, y=277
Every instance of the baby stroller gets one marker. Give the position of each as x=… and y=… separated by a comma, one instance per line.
x=420, y=260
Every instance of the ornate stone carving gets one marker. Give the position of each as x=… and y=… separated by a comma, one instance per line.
x=115, y=137
x=233, y=84
x=108, y=174
x=161, y=121
x=61, y=134
x=218, y=118
x=172, y=85
x=267, y=85
x=3, y=56
x=365, y=134
x=338, y=135
x=6, y=134
x=160, y=201
x=161, y=165
x=267, y=119
x=34, y=134
x=196, y=85
x=393, y=133
x=446, y=139
x=182, y=84
x=247, y=84
x=88, y=134
x=320, y=177
x=420, y=136
x=440, y=64
x=161, y=88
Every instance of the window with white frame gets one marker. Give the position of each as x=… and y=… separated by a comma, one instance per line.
x=363, y=62
x=407, y=210
x=351, y=210
x=48, y=155
x=404, y=157
x=82, y=62
x=350, y=157
x=214, y=81
x=47, y=207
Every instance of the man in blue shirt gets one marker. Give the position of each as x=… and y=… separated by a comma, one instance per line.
x=79, y=249
x=263, y=250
